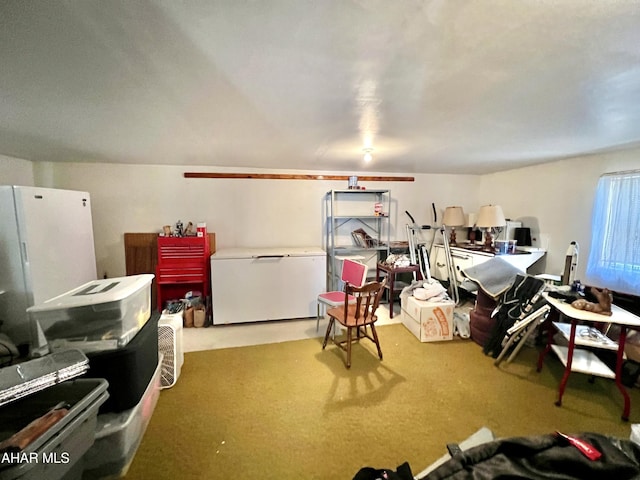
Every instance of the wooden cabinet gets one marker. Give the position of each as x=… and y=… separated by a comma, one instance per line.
x=141, y=256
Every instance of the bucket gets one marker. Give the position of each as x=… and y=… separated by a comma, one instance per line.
x=502, y=247
x=523, y=236
x=506, y=247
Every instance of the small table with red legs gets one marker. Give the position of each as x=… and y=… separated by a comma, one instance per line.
x=580, y=360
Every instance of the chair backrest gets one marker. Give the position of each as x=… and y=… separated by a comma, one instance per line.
x=353, y=272
x=367, y=301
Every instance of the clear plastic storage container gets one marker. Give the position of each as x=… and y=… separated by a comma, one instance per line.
x=118, y=435
x=99, y=315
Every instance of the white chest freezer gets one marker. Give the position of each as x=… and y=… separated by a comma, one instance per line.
x=259, y=284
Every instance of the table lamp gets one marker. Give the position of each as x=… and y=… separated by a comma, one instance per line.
x=490, y=217
x=472, y=219
x=453, y=217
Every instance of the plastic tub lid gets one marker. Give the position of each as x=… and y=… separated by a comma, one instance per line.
x=96, y=292
x=31, y=376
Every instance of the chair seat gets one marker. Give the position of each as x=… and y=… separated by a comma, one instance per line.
x=334, y=298
x=338, y=314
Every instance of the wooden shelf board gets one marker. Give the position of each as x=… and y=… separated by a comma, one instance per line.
x=278, y=176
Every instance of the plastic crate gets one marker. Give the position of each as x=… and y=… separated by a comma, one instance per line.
x=54, y=453
x=99, y=315
x=128, y=369
x=118, y=435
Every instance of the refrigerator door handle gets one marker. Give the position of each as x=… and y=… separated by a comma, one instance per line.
x=25, y=258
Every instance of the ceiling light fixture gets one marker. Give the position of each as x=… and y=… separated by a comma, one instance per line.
x=367, y=154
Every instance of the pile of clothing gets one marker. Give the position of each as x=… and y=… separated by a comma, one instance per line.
x=431, y=290
x=398, y=260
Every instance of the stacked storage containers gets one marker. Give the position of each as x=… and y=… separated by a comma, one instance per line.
x=59, y=451
x=118, y=435
x=110, y=320
x=47, y=420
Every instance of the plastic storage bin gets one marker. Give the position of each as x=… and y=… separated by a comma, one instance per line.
x=118, y=435
x=57, y=451
x=99, y=315
x=128, y=369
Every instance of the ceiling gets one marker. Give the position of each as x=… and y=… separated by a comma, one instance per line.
x=441, y=86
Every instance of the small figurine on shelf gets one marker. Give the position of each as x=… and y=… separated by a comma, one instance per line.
x=178, y=231
x=189, y=231
x=603, y=306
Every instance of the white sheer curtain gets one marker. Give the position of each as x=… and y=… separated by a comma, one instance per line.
x=614, y=260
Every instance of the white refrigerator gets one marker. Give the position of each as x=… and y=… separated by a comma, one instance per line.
x=46, y=249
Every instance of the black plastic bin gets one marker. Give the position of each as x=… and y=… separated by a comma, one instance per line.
x=127, y=369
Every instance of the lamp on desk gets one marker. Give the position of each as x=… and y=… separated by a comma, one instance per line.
x=472, y=220
x=490, y=217
x=453, y=217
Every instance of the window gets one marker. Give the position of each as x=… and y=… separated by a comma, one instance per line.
x=614, y=260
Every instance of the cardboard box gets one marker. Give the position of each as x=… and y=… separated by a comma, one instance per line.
x=428, y=321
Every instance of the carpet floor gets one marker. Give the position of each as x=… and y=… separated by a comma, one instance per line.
x=293, y=411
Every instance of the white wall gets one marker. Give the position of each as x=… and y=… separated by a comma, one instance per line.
x=15, y=171
x=242, y=212
x=556, y=199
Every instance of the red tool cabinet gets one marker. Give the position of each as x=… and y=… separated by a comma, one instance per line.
x=183, y=266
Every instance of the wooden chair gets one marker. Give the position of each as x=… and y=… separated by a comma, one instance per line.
x=354, y=273
x=356, y=316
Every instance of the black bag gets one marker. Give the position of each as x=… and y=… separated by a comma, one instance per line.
x=403, y=472
x=543, y=457
x=630, y=373
x=522, y=298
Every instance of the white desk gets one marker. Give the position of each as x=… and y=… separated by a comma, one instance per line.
x=583, y=361
x=464, y=258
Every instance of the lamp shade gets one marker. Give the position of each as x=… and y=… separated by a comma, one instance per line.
x=472, y=219
x=453, y=217
x=491, y=216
